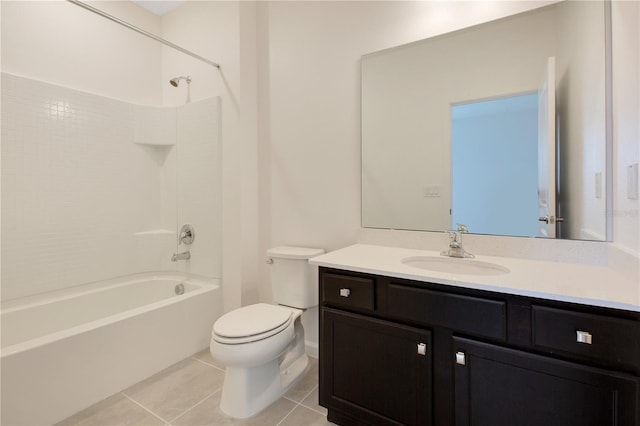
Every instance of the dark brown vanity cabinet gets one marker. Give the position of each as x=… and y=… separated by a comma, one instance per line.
x=403, y=352
x=498, y=386
x=383, y=370
x=375, y=369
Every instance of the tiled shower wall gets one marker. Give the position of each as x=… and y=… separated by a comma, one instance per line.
x=89, y=187
x=199, y=177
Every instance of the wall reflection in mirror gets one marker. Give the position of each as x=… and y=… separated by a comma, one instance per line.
x=500, y=126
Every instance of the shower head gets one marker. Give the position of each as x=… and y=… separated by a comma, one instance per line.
x=176, y=80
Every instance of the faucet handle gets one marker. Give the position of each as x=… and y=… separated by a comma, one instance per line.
x=187, y=234
x=454, y=237
x=462, y=228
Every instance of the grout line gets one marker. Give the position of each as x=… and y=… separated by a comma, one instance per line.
x=287, y=415
x=195, y=405
x=309, y=393
x=210, y=365
x=310, y=408
x=316, y=411
x=299, y=404
x=143, y=407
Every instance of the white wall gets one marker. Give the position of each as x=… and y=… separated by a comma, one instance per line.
x=60, y=43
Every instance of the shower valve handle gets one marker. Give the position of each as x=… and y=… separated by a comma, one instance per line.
x=187, y=234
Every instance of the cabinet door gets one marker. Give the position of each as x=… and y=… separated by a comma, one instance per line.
x=495, y=386
x=377, y=371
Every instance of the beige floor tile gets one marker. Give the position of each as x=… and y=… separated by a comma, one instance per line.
x=304, y=416
x=205, y=356
x=178, y=388
x=312, y=401
x=172, y=394
x=115, y=410
x=208, y=413
x=306, y=384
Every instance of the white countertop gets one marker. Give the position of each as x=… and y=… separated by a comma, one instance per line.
x=569, y=282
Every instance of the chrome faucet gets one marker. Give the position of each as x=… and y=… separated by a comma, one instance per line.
x=185, y=255
x=455, y=243
x=186, y=236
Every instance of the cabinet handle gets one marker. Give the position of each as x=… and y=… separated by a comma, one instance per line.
x=461, y=358
x=583, y=337
x=345, y=292
x=422, y=349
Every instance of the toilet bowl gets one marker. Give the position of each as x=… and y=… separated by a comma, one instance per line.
x=262, y=346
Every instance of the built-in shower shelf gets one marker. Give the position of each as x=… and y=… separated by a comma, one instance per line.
x=154, y=232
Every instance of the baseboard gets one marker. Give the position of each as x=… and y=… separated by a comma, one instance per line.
x=312, y=349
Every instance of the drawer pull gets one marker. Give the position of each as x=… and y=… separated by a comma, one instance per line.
x=583, y=337
x=345, y=292
x=460, y=358
x=422, y=349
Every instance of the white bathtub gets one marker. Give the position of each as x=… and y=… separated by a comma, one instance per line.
x=68, y=351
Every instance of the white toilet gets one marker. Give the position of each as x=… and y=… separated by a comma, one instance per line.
x=262, y=345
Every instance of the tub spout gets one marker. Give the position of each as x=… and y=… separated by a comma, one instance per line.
x=185, y=255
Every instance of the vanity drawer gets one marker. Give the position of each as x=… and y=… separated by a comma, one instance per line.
x=347, y=291
x=612, y=341
x=467, y=314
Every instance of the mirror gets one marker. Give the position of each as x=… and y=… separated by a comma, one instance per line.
x=453, y=130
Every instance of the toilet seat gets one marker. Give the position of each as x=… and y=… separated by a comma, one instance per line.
x=251, y=323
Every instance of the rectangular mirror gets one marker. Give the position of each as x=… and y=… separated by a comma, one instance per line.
x=500, y=126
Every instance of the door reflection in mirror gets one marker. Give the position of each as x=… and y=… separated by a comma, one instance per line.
x=494, y=180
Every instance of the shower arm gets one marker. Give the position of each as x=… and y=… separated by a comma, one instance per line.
x=143, y=32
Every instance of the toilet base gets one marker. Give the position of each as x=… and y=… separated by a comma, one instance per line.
x=247, y=391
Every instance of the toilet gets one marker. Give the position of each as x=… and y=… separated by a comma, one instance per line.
x=262, y=345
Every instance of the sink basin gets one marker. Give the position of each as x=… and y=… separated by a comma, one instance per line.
x=454, y=265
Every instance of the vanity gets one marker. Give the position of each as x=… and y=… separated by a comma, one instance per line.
x=407, y=339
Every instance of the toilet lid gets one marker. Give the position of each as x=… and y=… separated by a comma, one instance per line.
x=252, y=320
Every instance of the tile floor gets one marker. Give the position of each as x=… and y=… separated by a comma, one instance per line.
x=188, y=393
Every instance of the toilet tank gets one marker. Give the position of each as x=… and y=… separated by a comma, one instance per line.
x=292, y=280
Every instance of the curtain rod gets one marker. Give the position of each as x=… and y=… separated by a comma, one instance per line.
x=143, y=32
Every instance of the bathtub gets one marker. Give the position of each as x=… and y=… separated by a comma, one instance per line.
x=69, y=350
